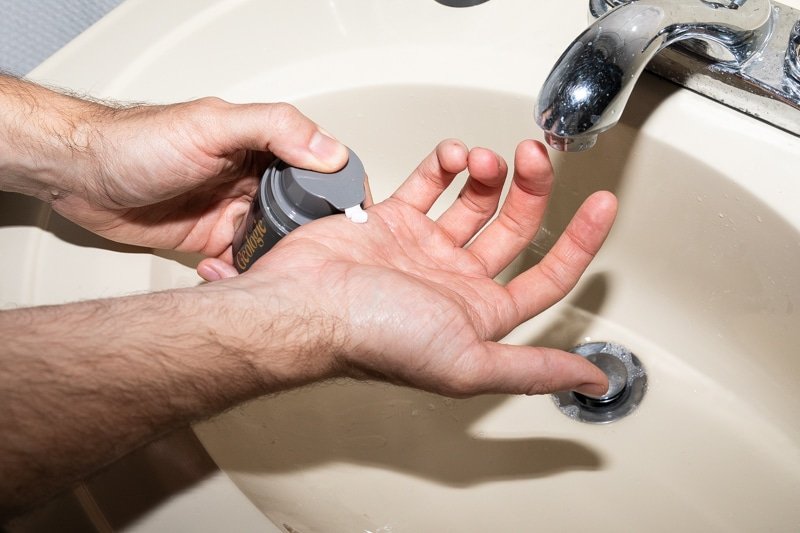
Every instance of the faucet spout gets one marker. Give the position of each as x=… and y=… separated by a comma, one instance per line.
x=588, y=88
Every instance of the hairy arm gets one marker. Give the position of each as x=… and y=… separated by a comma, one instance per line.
x=82, y=384
x=48, y=139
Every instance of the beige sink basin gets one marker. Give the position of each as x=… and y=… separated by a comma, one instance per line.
x=699, y=277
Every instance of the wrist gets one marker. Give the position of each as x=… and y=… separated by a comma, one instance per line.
x=283, y=336
x=48, y=141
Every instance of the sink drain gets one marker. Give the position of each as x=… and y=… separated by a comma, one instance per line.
x=461, y=3
x=627, y=382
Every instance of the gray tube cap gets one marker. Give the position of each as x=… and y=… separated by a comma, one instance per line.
x=304, y=195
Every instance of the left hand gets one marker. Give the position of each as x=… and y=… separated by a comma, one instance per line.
x=414, y=301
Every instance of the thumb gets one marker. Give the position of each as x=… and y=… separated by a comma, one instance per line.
x=215, y=269
x=527, y=370
x=285, y=132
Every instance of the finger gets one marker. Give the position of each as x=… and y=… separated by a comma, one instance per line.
x=478, y=200
x=522, y=211
x=280, y=129
x=221, y=236
x=433, y=175
x=508, y=369
x=213, y=229
x=557, y=273
x=215, y=269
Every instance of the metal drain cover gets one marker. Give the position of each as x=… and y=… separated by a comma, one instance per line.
x=627, y=384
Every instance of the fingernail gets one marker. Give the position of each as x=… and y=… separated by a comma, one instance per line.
x=208, y=273
x=593, y=390
x=327, y=149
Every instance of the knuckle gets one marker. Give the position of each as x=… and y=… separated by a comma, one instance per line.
x=477, y=203
x=522, y=229
x=284, y=115
x=204, y=114
x=466, y=381
x=544, y=379
x=208, y=108
x=212, y=102
x=579, y=243
x=460, y=387
x=555, y=273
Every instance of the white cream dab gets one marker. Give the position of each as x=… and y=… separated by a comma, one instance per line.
x=356, y=214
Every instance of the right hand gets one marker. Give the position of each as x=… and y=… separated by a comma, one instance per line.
x=182, y=176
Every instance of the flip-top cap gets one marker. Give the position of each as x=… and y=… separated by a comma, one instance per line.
x=304, y=195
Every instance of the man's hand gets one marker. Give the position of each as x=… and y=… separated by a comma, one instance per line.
x=178, y=176
x=413, y=301
x=183, y=176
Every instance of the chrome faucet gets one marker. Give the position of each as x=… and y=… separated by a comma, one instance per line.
x=743, y=53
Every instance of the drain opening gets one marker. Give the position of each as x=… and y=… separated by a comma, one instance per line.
x=461, y=3
x=627, y=381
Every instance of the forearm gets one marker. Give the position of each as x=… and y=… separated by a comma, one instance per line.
x=48, y=141
x=81, y=384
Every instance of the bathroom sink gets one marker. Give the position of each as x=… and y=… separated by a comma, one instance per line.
x=698, y=278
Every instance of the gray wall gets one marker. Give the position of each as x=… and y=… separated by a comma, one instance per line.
x=32, y=30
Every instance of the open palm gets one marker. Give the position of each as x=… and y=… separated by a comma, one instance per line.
x=415, y=299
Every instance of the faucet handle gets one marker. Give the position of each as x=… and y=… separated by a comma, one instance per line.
x=598, y=8
x=793, y=57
